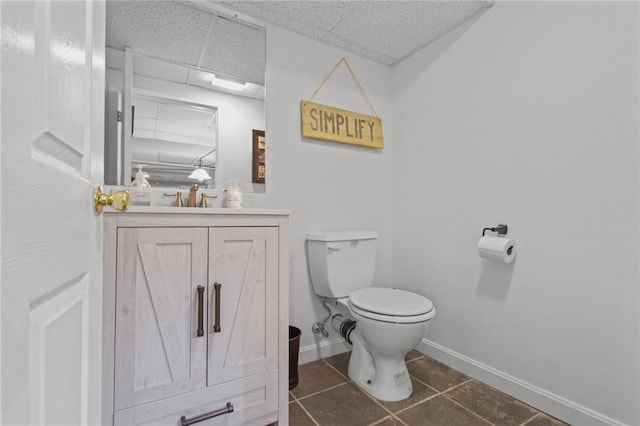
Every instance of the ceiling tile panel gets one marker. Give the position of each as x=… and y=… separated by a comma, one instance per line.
x=157, y=28
x=160, y=69
x=186, y=114
x=398, y=29
x=383, y=31
x=235, y=49
x=324, y=15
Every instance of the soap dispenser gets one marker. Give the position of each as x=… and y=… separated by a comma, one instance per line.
x=140, y=190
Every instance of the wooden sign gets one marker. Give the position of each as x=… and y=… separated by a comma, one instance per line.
x=339, y=125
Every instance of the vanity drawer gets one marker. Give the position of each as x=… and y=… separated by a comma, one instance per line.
x=253, y=399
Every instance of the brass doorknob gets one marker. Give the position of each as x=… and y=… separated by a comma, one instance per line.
x=118, y=200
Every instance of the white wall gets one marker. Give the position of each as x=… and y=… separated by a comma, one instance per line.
x=327, y=185
x=529, y=117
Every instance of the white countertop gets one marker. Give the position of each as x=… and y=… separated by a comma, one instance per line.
x=200, y=210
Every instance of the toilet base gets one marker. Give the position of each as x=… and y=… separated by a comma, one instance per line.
x=387, y=379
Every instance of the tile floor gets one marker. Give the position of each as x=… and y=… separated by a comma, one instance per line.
x=441, y=396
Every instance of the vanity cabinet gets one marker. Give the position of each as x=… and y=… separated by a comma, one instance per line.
x=196, y=320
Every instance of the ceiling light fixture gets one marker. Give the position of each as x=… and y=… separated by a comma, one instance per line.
x=227, y=83
x=200, y=173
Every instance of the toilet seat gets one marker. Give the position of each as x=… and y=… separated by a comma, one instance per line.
x=391, y=305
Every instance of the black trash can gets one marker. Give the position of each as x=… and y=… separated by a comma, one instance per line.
x=294, y=349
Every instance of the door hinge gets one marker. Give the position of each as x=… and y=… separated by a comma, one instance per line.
x=119, y=116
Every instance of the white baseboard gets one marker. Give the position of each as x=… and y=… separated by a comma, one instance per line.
x=539, y=398
x=322, y=350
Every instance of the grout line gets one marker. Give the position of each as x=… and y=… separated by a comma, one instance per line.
x=467, y=409
x=400, y=420
x=323, y=390
x=291, y=395
x=361, y=390
x=336, y=370
x=438, y=393
x=417, y=403
x=538, y=414
x=373, y=399
x=416, y=358
x=426, y=384
x=377, y=422
x=308, y=413
x=457, y=386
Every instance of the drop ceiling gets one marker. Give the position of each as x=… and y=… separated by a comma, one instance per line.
x=161, y=119
x=383, y=31
x=196, y=33
x=184, y=33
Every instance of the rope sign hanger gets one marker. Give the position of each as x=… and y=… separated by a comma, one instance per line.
x=338, y=125
x=362, y=92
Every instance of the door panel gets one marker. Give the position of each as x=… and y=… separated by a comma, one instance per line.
x=244, y=261
x=58, y=349
x=158, y=352
x=52, y=117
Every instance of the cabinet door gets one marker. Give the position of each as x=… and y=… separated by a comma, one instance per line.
x=243, y=261
x=158, y=351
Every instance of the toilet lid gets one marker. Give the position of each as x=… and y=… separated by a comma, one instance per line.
x=390, y=301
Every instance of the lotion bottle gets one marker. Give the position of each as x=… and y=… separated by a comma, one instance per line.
x=234, y=195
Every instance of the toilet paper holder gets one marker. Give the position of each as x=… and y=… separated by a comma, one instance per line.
x=500, y=229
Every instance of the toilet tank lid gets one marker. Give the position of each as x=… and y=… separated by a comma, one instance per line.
x=350, y=235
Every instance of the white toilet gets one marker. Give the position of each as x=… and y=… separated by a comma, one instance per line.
x=389, y=322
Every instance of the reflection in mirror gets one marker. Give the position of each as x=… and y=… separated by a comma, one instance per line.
x=166, y=61
x=170, y=137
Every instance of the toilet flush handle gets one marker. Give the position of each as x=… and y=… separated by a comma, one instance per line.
x=333, y=247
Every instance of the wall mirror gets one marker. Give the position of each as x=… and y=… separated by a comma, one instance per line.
x=185, y=90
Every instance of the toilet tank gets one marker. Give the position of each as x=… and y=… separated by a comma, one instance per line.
x=341, y=261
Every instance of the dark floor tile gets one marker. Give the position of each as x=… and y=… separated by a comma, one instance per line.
x=291, y=397
x=344, y=405
x=545, y=420
x=413, y=354
x=391, y=421
x=439, y=411
x=491, y=404
x=314, y=377
x=298, y=417
x=420, y=393
x=340, y=362
x=435, y=374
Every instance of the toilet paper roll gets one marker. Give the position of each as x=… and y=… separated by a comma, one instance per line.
x=498, y=248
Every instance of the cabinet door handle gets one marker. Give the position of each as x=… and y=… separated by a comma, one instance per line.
x=226, y=410
x=216, y=325
x=200, y=331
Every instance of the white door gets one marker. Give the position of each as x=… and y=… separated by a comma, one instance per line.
x=52, y=140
